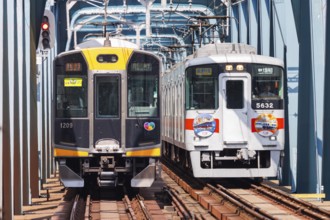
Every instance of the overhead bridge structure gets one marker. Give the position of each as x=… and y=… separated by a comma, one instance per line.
x=296, y=31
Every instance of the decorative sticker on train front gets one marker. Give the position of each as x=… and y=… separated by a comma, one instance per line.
x=72, y=82
x=266, y=124
x=149, y=126
x=204, y=125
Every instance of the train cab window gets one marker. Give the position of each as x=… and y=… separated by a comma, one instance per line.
x=143, y=86
x=71, y=86
x=107, y=97
x=71, y=96
x=267, y=87
x=267, y=82
x=202, y=87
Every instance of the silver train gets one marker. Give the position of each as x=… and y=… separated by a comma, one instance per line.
x=223, y=113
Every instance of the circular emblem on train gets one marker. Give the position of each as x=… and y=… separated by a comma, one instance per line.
x=204, y=125
x=266, y=124
x=149, y=126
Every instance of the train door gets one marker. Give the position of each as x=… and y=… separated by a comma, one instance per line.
x=234, y=100
x=107, y=117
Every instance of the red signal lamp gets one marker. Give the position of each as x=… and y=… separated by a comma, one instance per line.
x=45, y=26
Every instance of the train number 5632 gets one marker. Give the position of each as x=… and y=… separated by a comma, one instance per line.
x=264, y=105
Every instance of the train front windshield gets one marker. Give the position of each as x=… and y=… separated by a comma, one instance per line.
x=71, y=87
x=202, y=87
x=142, y=86
x=267, y=82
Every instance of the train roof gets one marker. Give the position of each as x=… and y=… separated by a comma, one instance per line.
x=99, y=42
x=229, y=53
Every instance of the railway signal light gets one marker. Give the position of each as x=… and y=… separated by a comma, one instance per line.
x=47, y=32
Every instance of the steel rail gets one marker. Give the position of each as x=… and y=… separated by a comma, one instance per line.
x=184, y=210
x=129, y=207
x=241, y=203
x=142, y=206
x=298, y=205
x=73, y=214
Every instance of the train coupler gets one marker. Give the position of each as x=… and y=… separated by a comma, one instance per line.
x=107, y=179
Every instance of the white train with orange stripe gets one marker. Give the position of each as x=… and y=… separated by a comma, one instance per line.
x=223, y=112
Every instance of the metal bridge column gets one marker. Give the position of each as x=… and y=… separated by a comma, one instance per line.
x=243, y=22
x=33, y=123
x=8, y=108
x=234, y=24
x=42, y=119
x=318, y=59
x=1, y=107
x=51, y=167
x=279, y=49
x=25, y=103
x=148, y=5
x=48, y=90
x=326, y=117
x=253, y=23
x=18, y=112
x=264, y=24
x=306, y=152
x=37, y=9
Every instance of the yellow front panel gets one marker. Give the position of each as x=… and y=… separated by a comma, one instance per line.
x=69, y=153
x=155, y=152
x=92, y=53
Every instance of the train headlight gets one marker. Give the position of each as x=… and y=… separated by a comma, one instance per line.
x=229, y=67
x=240, y=67
x=272, y=138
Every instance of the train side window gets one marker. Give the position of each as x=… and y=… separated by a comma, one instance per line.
x=235, y=94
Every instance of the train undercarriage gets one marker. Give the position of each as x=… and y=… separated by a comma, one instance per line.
x=222, y=164
x=107, y=171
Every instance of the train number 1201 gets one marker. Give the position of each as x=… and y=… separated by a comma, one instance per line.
x=264, y=105
x=66, y=125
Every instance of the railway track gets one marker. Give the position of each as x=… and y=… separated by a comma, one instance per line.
x=179, y=196
x=135, y=209
x=297, y=205
x=244, y=199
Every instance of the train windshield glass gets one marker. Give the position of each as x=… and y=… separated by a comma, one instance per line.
x=142, y=86
x=107, y=93
x=267, y=87
x=202, y=87
x=267, y=82
x=71, y=96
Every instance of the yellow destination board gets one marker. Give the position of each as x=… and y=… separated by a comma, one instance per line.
x=72, y=82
